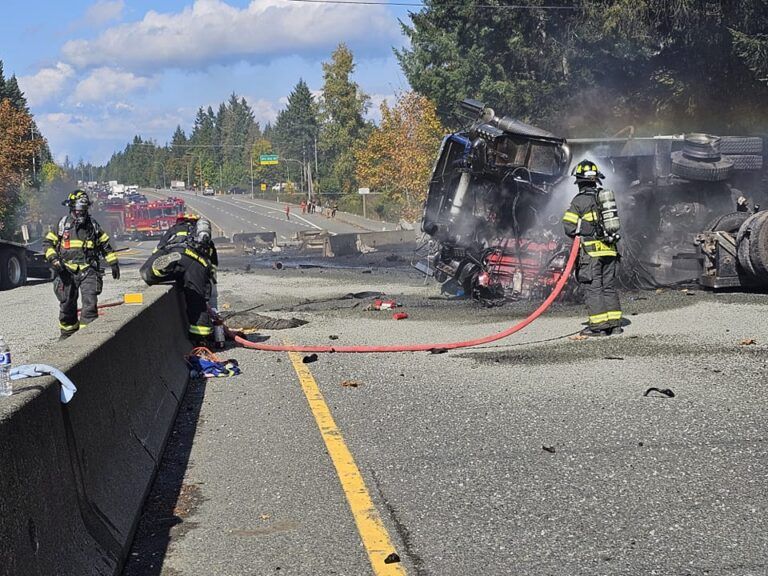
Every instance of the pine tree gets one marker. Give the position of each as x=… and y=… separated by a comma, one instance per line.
x=296, y=127
x=342, y=108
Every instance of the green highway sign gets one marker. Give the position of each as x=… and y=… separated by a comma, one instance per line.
x=268, y=159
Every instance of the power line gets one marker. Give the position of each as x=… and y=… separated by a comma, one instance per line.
x=422, y=5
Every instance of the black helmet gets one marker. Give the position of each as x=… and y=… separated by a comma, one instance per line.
x=78, y=203
x=587, y=171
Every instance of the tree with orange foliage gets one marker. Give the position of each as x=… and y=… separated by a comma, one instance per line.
x=398, y=156
x=16, y=151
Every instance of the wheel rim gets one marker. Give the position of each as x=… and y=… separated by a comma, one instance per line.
x=14, y=270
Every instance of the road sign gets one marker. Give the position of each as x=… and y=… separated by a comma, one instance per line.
x=363, y=190
x=268, y=159
x=263, y=187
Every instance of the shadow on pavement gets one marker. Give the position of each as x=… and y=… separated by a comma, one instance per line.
x=171, y=502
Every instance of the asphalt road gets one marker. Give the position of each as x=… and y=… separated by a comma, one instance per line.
x=539, y=455
x=231, y=214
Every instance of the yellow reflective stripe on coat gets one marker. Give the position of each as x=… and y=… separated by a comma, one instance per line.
x=571, y=217
x=181, y=233
x=81, y=244
x=590, y=216
x=597, y=248
x=193, y=254
x=75, y=267
x=614, y=314
x=111, y=258
x=50, y=252
x=200, y=330
x=104, y=238
x=598, y=318
x=52, y=237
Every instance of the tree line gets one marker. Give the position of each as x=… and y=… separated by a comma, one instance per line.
x=324, y=144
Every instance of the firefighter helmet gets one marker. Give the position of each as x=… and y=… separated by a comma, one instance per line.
x=587, y=171
x=78, y=203
x=187, y=217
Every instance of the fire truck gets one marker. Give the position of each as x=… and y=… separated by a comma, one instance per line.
x=140, y=220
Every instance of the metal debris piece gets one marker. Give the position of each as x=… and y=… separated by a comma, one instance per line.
x=351, y=383
x=663, y=391
x=550, y=449
x=309, y=359
x=392, y=558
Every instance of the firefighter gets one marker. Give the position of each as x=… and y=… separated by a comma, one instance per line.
x=598, y=256
x=74, y=250
x=187, y=256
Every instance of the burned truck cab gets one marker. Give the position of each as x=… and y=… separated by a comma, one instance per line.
x=488, y=186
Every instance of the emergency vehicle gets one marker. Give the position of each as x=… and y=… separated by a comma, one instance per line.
x=140, y=220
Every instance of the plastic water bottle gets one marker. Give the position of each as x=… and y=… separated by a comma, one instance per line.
x=6, y=389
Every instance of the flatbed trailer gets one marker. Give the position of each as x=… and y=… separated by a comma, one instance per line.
x=18, y=263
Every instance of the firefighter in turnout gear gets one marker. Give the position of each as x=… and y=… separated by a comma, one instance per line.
x=593, y=217
x=74, y=250
x=187, y=256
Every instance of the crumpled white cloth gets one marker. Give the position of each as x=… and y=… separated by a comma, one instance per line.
x=68, y=389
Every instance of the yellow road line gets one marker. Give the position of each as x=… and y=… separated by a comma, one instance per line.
x=372, y=531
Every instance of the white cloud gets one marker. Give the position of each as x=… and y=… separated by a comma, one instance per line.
x=374, y=112
x=104, y=83
x=103, y=11
x=212, y=31
x=264, y=111
x=46, y=83
x=105, y=132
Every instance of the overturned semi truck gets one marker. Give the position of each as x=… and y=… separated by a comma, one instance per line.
x=689, y=204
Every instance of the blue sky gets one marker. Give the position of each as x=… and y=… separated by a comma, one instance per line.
x=97, y=72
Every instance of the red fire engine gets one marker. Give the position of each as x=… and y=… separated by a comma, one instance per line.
x=141, y=220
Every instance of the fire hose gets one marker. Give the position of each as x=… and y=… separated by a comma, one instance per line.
x=562, y=281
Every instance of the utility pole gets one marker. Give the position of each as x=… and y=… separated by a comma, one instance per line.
x=317, y=172
x=251, y=174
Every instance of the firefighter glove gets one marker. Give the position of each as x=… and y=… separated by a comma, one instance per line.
x=116, y=271
x=57, y=265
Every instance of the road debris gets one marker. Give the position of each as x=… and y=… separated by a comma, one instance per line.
x=351, y=383
x=399, y=316
x=333, y=337
x=309, y=359
x=663, y=391
x=550, y=449
x=392, y=558
x=577, y=337
x=438, y=350
x=747, y=342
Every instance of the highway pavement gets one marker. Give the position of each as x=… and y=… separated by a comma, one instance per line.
x=232, y=214
x=538, y=455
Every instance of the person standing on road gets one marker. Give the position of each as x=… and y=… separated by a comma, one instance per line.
x=74, y=251
x=598, y=255
x=287, y=211
x=187, y=256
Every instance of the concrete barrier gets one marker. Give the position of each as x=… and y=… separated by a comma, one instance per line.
x=340, y=245
x=73, y=477
x=254, y=238
x=389, y=238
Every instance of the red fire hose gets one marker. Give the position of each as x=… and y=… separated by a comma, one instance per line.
x=427, y=347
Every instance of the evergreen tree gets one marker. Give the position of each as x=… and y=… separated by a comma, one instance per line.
x=688, y=64
x=296, y=127
x=342, y=108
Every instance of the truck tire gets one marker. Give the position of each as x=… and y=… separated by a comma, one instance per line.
x=730, y=222
x=747, y=233
x=758, y=246
x=746, y=162
x=701, y=171
x=741, y=145
x=13, y=269
x=701, y=147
